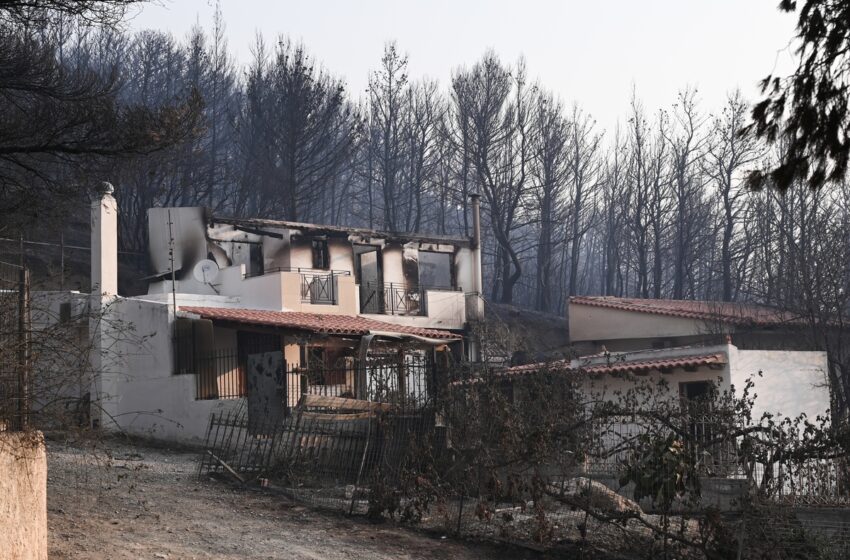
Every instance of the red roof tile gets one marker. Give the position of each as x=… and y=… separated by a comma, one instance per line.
x=658, y=364
x=622, y=366
x=613, y=366
x=733, y=313
x=314, y=322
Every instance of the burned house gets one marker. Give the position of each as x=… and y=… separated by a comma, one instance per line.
x=259, y=313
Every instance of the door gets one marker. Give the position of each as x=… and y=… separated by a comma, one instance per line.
x=370, y=277
x=266, y=392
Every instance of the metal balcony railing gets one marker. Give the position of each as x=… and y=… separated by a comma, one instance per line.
x=320, y=288
x=298, y=269
x=392, y=299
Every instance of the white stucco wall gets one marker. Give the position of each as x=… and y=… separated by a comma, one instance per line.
x=342, y=256
x=610, y=387
x=464, y=269
x=391, y=264
x=147, y=398
x=589, y=322
x=791, y=383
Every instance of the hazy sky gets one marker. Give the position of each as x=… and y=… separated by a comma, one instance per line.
x=586, y=52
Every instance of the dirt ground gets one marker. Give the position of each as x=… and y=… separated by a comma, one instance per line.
x=115, y=501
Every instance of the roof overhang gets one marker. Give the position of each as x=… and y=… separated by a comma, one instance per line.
x=324, y=324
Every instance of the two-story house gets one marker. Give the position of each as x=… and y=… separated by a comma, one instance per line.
x=262, y=312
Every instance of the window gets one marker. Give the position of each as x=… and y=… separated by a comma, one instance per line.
x=435, y=270
x=193, y=341
x=695, y=391
x=697, y=401
x=65, y=312
x=256, y=264
x=321, y=256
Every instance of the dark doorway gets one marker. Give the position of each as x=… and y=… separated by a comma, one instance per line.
x=369, y=275
x=436, y=270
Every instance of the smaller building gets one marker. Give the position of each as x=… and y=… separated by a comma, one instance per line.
x=790, y=373
x=683, y=383
x=624, y=324
x=787, y=383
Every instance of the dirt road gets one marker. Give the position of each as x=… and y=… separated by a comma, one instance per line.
x=117, y=501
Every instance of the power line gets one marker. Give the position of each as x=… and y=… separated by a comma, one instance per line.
x=77, y=247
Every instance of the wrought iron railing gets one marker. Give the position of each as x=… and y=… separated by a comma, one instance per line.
x=298, y=269
x=406, y=381
x=220, y=374
x=321, y=288
x=393, y=299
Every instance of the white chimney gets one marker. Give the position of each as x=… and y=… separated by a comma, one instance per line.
x=474, y=300
x=477, y=279
x=104, y=243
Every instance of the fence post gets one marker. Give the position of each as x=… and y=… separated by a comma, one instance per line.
x=23, y=349
x=741, y=536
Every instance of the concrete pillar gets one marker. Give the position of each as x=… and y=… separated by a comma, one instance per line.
x=103, y=327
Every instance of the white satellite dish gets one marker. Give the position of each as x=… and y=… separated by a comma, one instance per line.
x=205, y=271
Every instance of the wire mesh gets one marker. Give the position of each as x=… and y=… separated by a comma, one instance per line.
x=14, y=346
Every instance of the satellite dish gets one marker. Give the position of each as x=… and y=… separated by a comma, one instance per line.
x=205, y=271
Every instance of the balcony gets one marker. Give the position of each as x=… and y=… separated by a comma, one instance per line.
x=297, y=289
x=427, y=306
x=321, y=287
x=393, y=299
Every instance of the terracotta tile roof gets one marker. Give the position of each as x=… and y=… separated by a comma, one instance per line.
x=611, y=367
x=314, y=322
x=732, y=313
x=615, y=365
x=657, y=364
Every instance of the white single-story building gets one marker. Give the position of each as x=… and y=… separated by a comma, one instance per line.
x=787, y=383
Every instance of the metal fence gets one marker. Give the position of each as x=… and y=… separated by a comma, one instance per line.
x=614, y=440
x=404, y=379
x=359, y=456
x=220, y=374
x=330, y=450
x=15, y=343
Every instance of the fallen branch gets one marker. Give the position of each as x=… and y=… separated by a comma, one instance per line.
x=227, y=467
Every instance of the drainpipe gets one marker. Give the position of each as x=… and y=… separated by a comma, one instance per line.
x=474, y=302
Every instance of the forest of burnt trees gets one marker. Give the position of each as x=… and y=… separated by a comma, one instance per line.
x=655, y=208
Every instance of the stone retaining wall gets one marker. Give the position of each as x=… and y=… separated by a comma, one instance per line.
x=23, y=496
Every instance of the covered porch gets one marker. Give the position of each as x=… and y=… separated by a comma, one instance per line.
x=276, y=357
